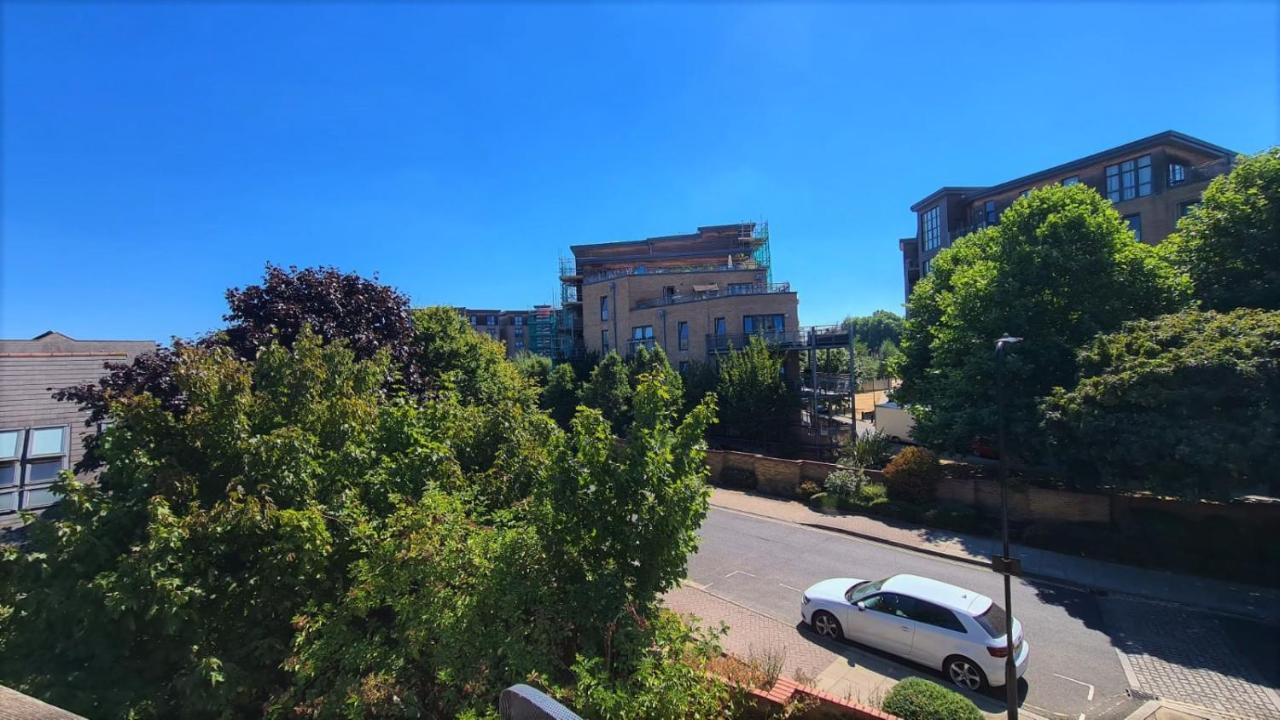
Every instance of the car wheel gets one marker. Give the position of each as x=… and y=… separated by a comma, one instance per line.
x=826, y=625
x=965, y=673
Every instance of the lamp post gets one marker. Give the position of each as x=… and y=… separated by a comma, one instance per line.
x=1006, y=564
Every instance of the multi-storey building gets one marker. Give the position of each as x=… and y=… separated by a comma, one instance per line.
x=693, y=295
x=510, y=327
x=1152, y=181
x=40, y=436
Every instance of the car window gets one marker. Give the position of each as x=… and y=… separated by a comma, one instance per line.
x=891, y=604
x=994, y=621
x=862, y=589
x=936, y=615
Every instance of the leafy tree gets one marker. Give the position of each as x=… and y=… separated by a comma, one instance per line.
x=534, y=368
x=560, y=397
x=1183, y=405
x=1229, y=245
x=698, y=379
x=1060, y=268
x=450, y=353
x=608, y=390
x=754, y=399
x=875, y=328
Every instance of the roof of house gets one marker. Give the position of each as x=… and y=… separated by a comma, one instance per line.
x=1168, y=137
x=16, y=706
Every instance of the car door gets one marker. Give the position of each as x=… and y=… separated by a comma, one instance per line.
x=939, y=633
x=883, y=621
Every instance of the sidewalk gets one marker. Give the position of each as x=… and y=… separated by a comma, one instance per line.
x=1237, y=599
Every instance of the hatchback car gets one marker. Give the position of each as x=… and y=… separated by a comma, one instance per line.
x=957, y=631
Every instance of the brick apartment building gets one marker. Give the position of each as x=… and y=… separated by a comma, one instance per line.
x=692, y=295
x=1152, y=181
x=510, y=327
x=39, y=436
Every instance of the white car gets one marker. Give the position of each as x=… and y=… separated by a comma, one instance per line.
x=957, y=631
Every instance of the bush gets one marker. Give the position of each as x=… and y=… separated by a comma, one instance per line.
x=918, y=699
x=869, y=450
x=872, y=493
x=808, y=489
x=913, y=475
x=844, y=483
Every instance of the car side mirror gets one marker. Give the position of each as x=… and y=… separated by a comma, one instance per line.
x=860, y=605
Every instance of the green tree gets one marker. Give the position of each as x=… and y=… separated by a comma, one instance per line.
x=1060, y=268
x=534, y=368
x=755, y=402
x=451, y=354
x=608, y=390
x=1229, y=245
x=875, y=328
x=560, y=396
x=699, y=378
x=1183, y=405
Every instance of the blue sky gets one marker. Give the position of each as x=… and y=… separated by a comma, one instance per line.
x=156, y=154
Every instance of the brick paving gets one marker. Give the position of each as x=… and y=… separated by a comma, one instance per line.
x=1181, y=655
x=754, y=634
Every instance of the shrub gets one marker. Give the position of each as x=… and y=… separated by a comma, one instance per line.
x=872, y=493
x=918, y=699
x=913, y=475
x=844, y=483
x=869, y=450
x=817, y=500
x=808, y=489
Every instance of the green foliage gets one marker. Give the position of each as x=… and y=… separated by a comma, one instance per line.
x=1060, y=268
x=1183, y=405
x=874, y=329
x=1229, y=245
x=699, y=378
x=808, y=489
x=452, y=355
x=560, y=396
x=918, y=699
x=534, y=368
x=871, y=449
x=296, y=540
x=755, y=402
x=844, y=483
x=912, y=475
x=608, y=390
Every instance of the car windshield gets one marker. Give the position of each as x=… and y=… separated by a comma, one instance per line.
x=995, y=621
x=862, y=589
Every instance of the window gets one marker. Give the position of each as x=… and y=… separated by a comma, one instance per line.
x=989, y=210
x=1177, y=173
x=891, y=604
x=642, y=332
x=1186, y=207
x=1129, y=179
x=517, y=320
x=682, y=334
x=1069, y=181
x=861, y=590
x=938, y=616
x=932, y=228
x=720, y=327
x=684, y=367
x=30, y=461
x=518, y=331
x=604, y=307
x=604, y=341
x=519, y=344
x=1135, y=224
x=669, y=291
x=491, y=320
x=926, y=267
x=995, y=621
x=474, y=320
x=762, y=324
x=740, y=288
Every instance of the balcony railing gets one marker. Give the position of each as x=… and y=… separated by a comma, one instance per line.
x=737, y=341
x=634, y=344
x=744, y=263
x=733, y=289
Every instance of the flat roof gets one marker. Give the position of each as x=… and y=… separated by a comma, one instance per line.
x=1170, y=137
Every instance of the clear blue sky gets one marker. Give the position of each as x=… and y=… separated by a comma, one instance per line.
x=156, y=154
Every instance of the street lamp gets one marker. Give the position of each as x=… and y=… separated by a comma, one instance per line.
x=1006, y=564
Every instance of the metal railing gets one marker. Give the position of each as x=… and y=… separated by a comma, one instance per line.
x=634, y=344
x=733, y=289
x=746, y=263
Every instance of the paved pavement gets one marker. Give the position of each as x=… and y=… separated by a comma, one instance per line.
x=1081, y=641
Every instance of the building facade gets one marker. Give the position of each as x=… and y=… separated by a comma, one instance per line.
x=40, y=436
x=1152, y=182
x=692, y=295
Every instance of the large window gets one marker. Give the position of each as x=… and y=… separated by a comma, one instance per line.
x=1177, y=173
x=741, y=288
x=604, y=307
x=1135, y=224
x=926, y=267
x=989, y=212
x=763, y=324
x=682, y=334
x=642, y=332
x=30, y=460
x=1129, y=179
x=604, y=341
x=1069, y=181
x=932, y=228
x=720, y=327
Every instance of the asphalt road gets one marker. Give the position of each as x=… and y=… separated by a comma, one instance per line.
x=763, y=564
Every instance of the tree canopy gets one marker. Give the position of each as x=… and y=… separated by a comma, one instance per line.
x=876, y=328
x=1187, y=404
x=1060, y=268
x=1229, y=245
x=755, y=402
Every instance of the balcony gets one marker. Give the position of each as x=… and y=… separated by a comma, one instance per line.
x=737, y=341
x=734, y=289
x=1206, y=171
x=743, y=262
